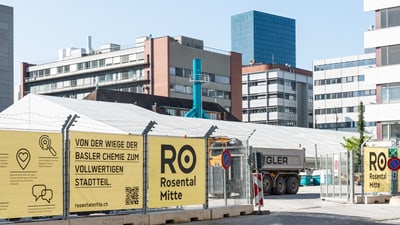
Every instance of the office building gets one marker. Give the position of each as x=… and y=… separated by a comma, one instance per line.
x=6, y=57
x=339, y=87
x=157, y=66
x=264, y=38
x=277, y=95
x=384, y=37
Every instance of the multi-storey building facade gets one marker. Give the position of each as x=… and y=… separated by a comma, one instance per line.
x=385, y=39
x=6, y=57
x=158, y=66
x=339, y=87
x=277, y=95
x=264, y=38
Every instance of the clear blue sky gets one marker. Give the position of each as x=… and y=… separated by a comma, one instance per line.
x=324, y=28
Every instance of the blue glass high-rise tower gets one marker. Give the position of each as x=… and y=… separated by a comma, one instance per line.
x=264, y=38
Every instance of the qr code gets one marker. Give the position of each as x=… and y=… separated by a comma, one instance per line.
x=132, y=195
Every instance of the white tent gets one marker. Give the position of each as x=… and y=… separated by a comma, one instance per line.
x=47, y=113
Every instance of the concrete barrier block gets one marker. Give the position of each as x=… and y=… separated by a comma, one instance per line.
x=53, y=222
x=133, y=219
x=378, y=199
x=229, y=211
x=183, y=216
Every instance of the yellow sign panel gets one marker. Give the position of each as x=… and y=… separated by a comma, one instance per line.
x=31, y=174
x=177, y=171
x=106, y=171
x=377, y=175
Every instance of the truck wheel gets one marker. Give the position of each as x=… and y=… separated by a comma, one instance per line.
x=292, y=185
x=280, y=186
x=267, y=184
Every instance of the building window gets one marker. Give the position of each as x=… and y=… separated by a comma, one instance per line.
x=124, y=58
x=390, y=55
x=331, y=66
x=102, y=62
x=80, y=66
x=390, y=93
x=390, y=130
x=66, y=68
x=390, y=17
x=94, y=64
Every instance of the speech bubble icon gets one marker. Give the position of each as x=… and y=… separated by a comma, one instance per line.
x=23, y=158
x=37, y=190
x=47, y=194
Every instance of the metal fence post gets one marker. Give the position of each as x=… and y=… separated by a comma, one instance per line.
x=146, y=130
x=362, y=168
x=65, y=136
x=351, y=175
x=206, y=136
x=248, y=180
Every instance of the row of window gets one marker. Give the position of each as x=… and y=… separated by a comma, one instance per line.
x=289, y=123
x=340, y=65
x=290, y=110
x=90, y=81
x=349, y=94
x=274, y=81
x=81, y=95
x=339, y=80
x=182, y=112
x=349, y=124
x=350, y=109
x=86, y=65
x=208, y=92
x=281, y=95
x=211, y=77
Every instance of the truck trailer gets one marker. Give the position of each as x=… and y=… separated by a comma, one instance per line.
x=280, y=169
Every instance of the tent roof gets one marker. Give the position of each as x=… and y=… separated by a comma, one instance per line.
x=48, y=113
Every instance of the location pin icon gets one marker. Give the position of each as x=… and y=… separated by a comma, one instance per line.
x=23, y=158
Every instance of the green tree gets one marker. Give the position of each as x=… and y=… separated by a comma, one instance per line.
x=354, y=143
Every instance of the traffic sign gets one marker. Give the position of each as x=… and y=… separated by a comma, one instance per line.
x=394, y=163
x=226, y=159
x=392, y=152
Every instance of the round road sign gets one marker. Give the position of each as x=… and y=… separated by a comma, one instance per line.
x=394, y=163
x=226, y=159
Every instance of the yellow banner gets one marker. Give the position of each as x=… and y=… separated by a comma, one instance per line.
x=177, y=169
x=377, y=175
x=31, y=174
x=106, y=171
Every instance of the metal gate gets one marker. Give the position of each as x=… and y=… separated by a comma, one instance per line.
x=335, y=176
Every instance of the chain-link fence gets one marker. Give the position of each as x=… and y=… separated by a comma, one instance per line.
x=335, y=176
x=228, y=185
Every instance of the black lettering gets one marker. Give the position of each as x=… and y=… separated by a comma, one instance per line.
x=81, y=142
x=377, y=162
x=169, y=161
x=372, y=160
x=131, y=144
x=187, y=159
x=382, y=161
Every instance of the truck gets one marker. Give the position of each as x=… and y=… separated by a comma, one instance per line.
x=280, y=169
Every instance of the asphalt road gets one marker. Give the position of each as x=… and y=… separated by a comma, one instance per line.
x=308, y=208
